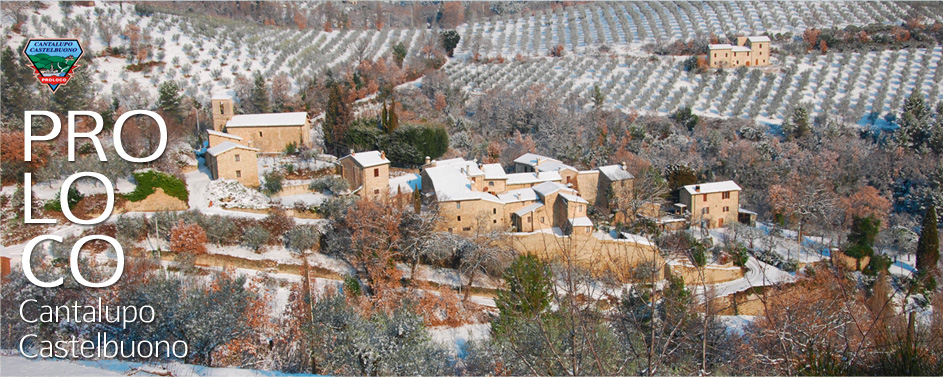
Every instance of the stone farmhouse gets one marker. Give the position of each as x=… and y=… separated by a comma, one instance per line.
x=270, y=133
x=541, y=194
x=713, y=204
x=230, y=160
x=367, y=174
x=749, y=51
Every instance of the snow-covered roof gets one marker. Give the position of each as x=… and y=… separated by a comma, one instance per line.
x=530, y=159
x=368, y=158
x=720, y=46
x=712, y=187
x=740, y=49
x=548, y=188
x=528, y=209
x=221, y=95
x=546, y=163
x=554, y=166
x=520, y=195
x=268, y=120
x=573, y=198
x=469, y=168
x=758, y=39
x=452, y=185
x=225, y=147
x=581, y=221
x=223, y=134
x=494, y=171
x=615, y=172
x=525, y=178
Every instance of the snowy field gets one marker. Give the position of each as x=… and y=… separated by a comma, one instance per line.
x=847, y=86
x=622, y=25
x=205, y=54
x=20, y=366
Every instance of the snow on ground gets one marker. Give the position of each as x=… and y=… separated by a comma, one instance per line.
x=456, y=339
x=21, y=366
x=309, y=199
x=758, y=274
x=228, y=193
x=49, y=189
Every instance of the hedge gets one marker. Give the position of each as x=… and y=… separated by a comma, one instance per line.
x=148, y=181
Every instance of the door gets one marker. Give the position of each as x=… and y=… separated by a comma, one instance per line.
x=720, y=222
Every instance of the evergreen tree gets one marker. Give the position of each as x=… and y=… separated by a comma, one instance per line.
x=928, y=246
x=450, y=40
x=399, y=53
x=528, y=289
x=598, y=97
x=798, y=124
x=14, y=89
x=392, y=122
x=915, y=127
x=260, y=94
x=169, y=99
x=337, y=117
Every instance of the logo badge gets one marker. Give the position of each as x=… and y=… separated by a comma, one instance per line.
x=53, y=59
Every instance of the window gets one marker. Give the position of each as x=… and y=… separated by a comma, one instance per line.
x=529, y=219
x=704, y=198
x=541, y=219
x=726, y=55
x=466, y=229
x=450, y=229
x=494, y=221
x=376, y=192
x=260, y=133
x=494, y=211
x=376, y=172
x=238, y=173
x=707, y=210
x=726, y=209
x=491, y=183
x=725, y=195
x=237, y=158
x=458, y=205
x=459, y=218
x=715, y=54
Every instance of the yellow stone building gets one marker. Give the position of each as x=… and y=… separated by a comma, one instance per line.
x=714, y=204
x=367, y=174
x=270, y=133
x=749, y=51
x=229, y=160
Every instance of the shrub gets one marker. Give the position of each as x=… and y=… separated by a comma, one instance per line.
x=740, y=255
x=878, y=263
x=132, y=228
x=334, y=184
x=149, y=180
x=255, y=238
x=187, y=238
x=219, y=229
x=302, y=238
x=273, y=183
x=56, y=205
x=291, y=148
x=698, y=256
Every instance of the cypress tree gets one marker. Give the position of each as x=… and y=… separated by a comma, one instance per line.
x=928, y=247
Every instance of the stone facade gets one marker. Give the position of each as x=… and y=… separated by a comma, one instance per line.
x=714, y=204
x=367, y=174
x=270, y=133
x=229, y=160
x=749, y=51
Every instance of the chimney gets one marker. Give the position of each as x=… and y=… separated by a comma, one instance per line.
x=537, y=163
x=382, y=155
x=625, y=166
x=697, y=188
x=352, y=151
x=428, y=160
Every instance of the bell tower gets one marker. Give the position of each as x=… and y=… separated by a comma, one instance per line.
x=222, y=112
